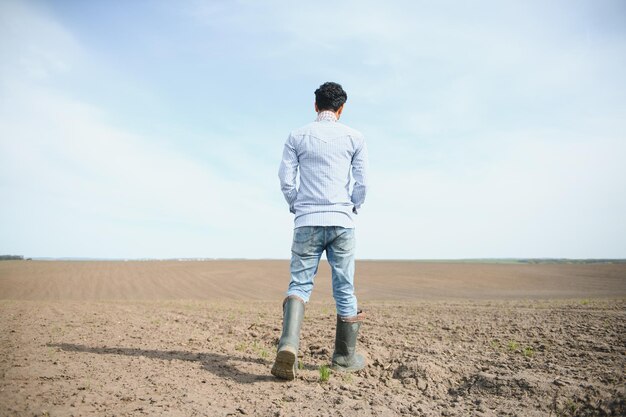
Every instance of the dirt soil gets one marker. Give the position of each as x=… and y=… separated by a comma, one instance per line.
x=198, y=339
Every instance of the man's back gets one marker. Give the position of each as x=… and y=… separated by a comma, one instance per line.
x=324, y=151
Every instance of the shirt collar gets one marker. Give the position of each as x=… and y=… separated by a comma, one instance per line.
x=326, y=116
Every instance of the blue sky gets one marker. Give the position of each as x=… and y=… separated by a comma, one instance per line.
x=155, y=129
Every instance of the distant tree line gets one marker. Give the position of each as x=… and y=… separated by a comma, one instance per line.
x=12, y=258
x=571, y=261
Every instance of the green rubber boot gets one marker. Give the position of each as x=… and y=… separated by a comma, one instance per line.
x=345, y=357
x=287, y=355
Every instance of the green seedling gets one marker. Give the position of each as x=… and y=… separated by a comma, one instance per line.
x=324, y=373
x=513, y=345
x=569, y=409
x=255, y=347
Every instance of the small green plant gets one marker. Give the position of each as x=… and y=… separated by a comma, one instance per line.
x=324, y=373
x=256, y=347
x=584, y=302
x=300, y=365
x=495, y=344
x=569, y=408
x=528, y=351
x=512, y=345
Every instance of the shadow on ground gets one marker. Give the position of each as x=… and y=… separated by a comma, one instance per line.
x=220, y=365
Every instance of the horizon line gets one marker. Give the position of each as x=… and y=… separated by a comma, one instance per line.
x=183, y=259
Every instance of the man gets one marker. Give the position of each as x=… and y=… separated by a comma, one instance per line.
x=324, y=152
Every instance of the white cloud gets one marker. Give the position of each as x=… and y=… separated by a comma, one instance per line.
x=32, y=45
x=533, y=195
x=63, y=153
x=75, y=185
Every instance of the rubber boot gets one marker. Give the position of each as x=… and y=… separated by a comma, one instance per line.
x=345, y=357
x=287, y=355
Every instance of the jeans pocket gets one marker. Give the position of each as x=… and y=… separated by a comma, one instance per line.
x=345, y=240
x=303, y=240
x=302, y=234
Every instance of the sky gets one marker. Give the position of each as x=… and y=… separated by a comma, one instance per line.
x=154, y=129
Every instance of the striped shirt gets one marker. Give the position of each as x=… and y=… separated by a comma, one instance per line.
x=324, y=153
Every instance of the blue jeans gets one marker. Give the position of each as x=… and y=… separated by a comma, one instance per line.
x=308, y=244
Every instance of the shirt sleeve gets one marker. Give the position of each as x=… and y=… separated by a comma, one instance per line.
x=287, y=173
x=360, y=167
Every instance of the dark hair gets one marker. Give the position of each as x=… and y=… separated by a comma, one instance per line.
x=330, y=96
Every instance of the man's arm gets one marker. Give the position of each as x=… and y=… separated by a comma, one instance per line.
x=360, y=167
x=287, y=173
